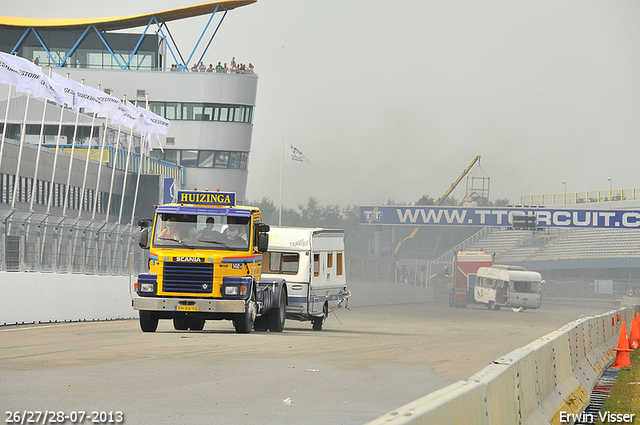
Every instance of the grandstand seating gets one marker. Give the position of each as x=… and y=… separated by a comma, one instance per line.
x=520, y=245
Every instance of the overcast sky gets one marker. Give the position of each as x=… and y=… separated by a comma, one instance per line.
x=393, y=100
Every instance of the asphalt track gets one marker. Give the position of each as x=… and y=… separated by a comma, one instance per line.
x=366, y=362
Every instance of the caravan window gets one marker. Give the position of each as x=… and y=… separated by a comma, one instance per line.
x=316, y=265
x=282, y=262
x=330, y=260
x=339, y=265
x=526, y=287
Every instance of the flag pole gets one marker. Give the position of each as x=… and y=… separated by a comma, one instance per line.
x=16, y=182
x=34, y=191
x=126, y=168
x=100, y=164
x=143, y=141
x=6, y=124
x=281, y=167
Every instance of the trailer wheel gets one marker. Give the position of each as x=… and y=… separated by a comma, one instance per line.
x=148, y=321
x=277, y=317
x=318, y=322
x=490, y=305
x=195, y=323
x=244, y=321
x=180, y=322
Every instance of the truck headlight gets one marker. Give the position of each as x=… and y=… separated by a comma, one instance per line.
x=232, y=291
x=146, y=287
x=235, y=290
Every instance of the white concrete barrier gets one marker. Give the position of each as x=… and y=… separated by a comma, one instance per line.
x=536, y=384
x=50, y=297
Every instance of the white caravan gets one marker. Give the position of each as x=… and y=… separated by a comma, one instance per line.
x=312, y=262
x=508, y=286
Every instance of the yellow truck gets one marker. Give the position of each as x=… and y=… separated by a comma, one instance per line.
x=205, y=263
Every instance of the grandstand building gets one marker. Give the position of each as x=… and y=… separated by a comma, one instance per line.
x=211, y=112
x=69, y=205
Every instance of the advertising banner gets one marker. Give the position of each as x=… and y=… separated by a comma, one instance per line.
x=497, y=217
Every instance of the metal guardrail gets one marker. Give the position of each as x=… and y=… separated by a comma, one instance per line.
x=570, y=198
x=36, y=242
x=120, y=157
x=448, y=256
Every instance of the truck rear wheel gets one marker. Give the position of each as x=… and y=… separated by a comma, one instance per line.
x=276, y=317
x=244, y=321
x=148, y=321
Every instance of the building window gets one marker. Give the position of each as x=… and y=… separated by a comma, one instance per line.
x=205, y=159
x=202, y=111
x=222, y=159
x=189, y=158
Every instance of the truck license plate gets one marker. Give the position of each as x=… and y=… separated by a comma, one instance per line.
x=187, y=308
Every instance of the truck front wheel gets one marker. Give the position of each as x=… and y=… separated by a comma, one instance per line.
x=244, y=322
x=195, y=323
x=180, y=322
x=148, y=321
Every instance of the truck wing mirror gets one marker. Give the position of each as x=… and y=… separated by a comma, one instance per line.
x=263, y=228
x=263, y=242
x=145, y=222
x=143, y=239
x=447, y=270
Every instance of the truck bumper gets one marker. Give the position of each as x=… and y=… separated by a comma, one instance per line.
x=189, y=304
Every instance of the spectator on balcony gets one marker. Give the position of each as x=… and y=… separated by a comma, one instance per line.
x=210, y=69
x=219, y=67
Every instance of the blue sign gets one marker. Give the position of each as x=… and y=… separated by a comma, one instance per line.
x=498, y=217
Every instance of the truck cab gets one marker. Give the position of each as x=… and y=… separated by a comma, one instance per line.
x=462, y=272
x=205, y=263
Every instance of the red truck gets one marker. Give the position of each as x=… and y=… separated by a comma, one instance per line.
x=463, y=269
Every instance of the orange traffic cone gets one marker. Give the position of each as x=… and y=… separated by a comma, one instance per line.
x=634, y=334
x=623, y=358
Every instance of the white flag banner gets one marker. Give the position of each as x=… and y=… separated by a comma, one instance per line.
x=126, y=114
x=86, y=97
x=108, y=104
x=148, y=122
x=9, y=72
x=153, y=123
x=65, y=87
x=293, y=154
x=27, y=77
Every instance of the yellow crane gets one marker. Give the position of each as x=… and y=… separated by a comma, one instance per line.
x=438, y=203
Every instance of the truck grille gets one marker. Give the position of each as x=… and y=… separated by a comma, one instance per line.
x=188, y=277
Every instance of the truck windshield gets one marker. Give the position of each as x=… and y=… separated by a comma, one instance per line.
x=201, y=232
